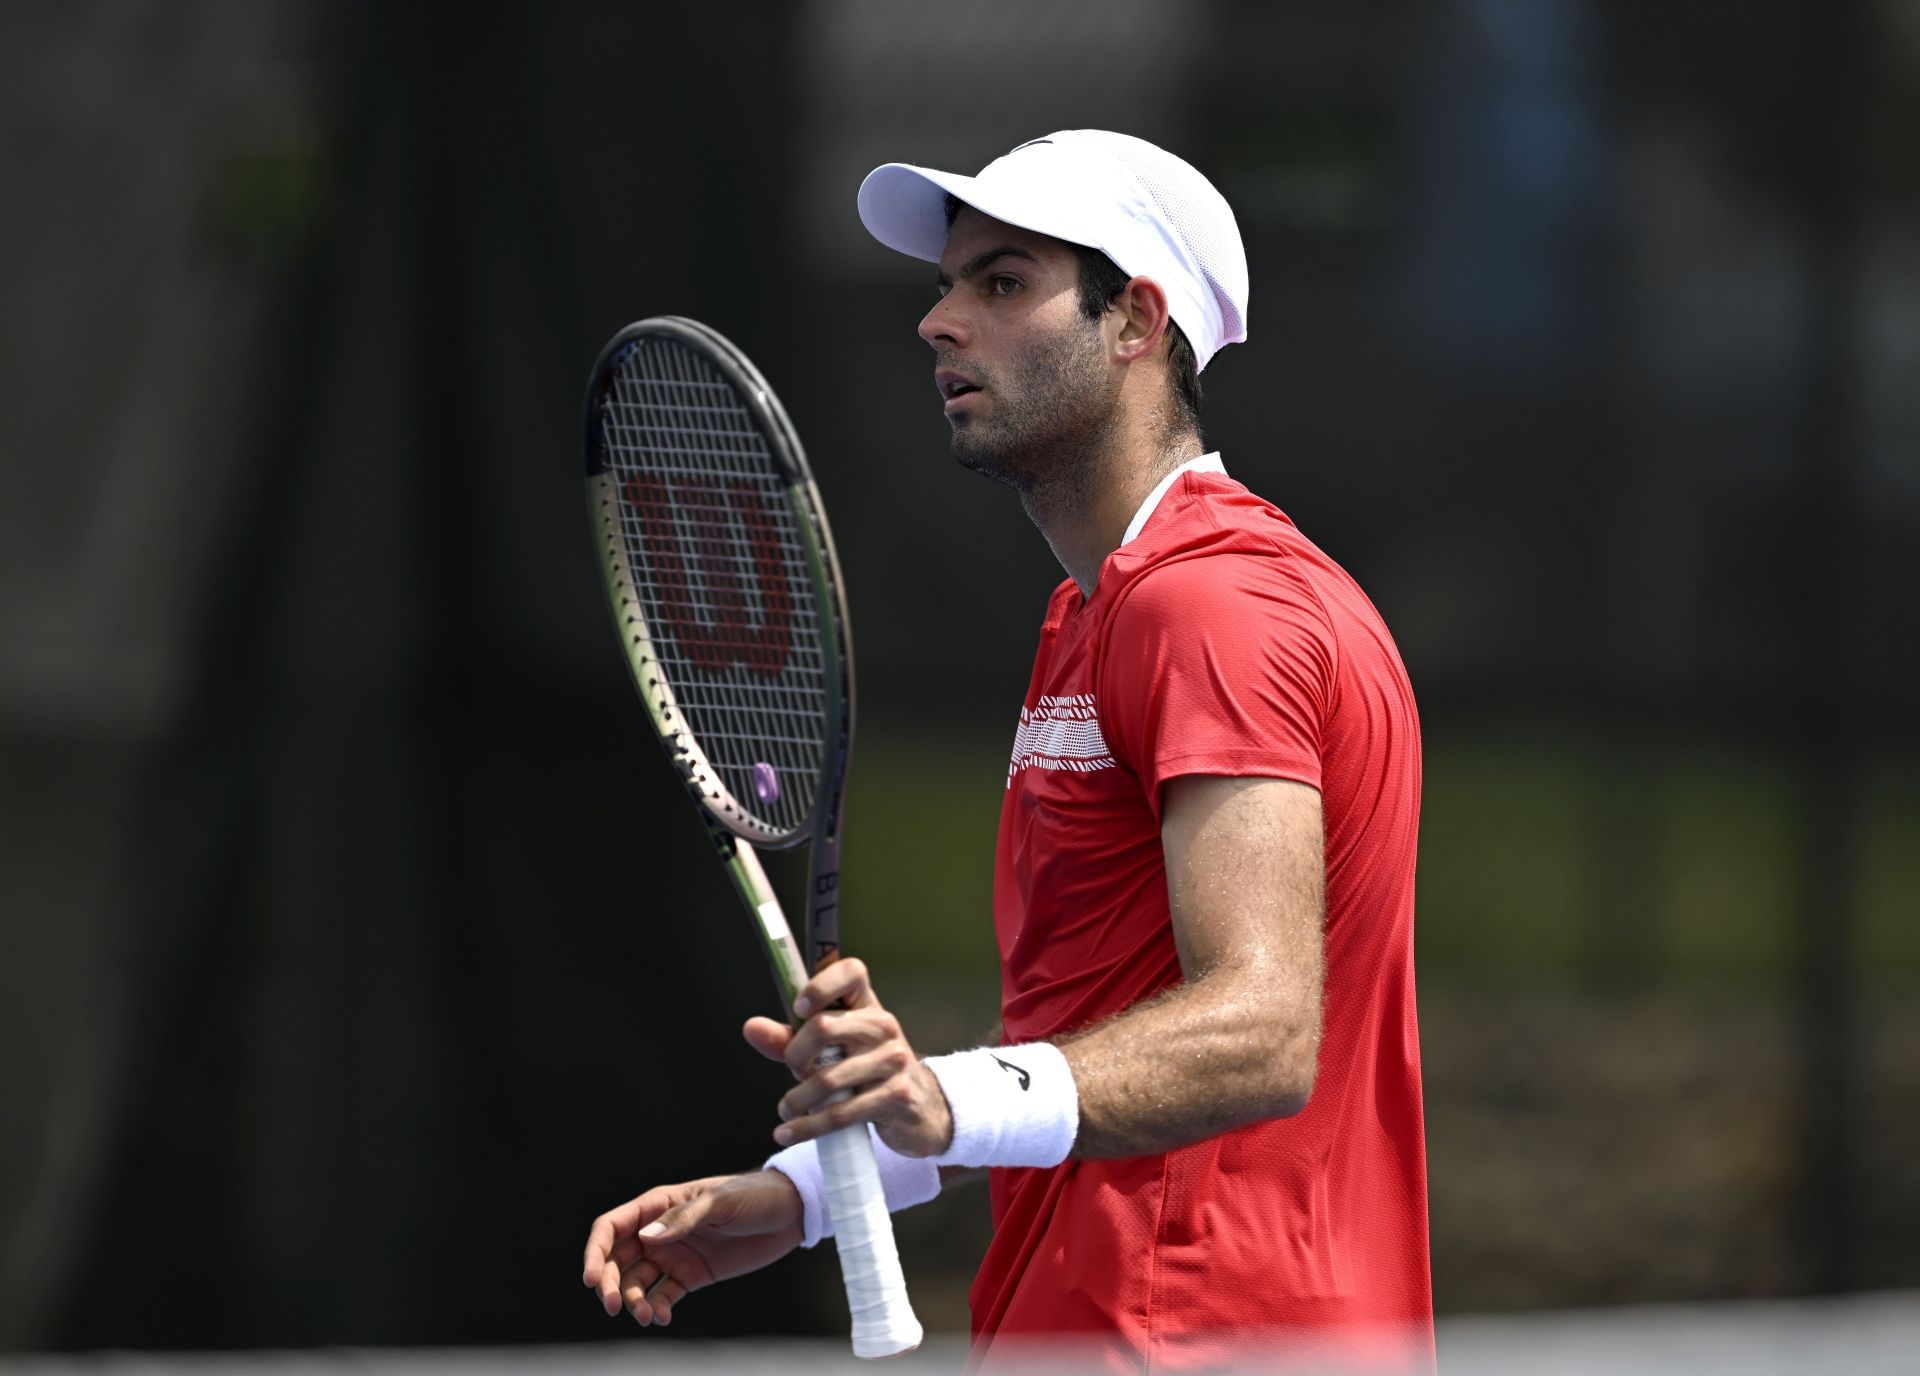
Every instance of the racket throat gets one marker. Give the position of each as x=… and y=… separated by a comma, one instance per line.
x=823, y=906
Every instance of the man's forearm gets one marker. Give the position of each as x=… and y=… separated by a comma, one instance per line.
x=1204, y=1057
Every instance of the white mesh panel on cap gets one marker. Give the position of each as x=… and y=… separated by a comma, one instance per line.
x=1198, y=213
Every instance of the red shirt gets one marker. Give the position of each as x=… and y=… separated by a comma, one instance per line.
x=1220, y=641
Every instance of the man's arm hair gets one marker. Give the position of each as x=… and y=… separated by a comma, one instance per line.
x=1237, y=1041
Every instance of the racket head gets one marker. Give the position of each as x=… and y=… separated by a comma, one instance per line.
x=721, y=576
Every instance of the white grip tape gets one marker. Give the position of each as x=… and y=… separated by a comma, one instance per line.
x=883, y=1320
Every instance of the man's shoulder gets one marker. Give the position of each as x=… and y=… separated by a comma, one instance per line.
x=1218, y=571
x=1207, y=515
x=1226, y=547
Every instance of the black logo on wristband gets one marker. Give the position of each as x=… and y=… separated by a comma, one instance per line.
x=1025, y=1079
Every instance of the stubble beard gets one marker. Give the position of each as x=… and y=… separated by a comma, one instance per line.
x=1052, y=416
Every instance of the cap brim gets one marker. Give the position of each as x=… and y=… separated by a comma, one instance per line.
x=905, y=207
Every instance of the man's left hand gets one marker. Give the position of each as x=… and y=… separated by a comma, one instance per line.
x=890, y=1087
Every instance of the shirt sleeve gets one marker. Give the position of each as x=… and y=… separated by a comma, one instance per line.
x=1222, y=664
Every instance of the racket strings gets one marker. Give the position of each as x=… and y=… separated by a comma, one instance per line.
x=722, y=574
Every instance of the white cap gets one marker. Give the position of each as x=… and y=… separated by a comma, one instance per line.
x=1151, y=213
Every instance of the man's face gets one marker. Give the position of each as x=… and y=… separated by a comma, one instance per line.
x=1023, y=374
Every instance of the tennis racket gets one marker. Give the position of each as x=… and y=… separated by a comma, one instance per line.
x=730, y=607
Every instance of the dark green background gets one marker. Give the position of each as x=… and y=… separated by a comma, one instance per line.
x=356, y=947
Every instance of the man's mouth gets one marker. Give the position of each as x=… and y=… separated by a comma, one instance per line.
x=954, y=385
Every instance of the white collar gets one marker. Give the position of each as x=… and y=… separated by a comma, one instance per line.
x=1206, y=463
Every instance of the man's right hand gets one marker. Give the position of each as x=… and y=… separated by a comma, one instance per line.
x=650, y=1252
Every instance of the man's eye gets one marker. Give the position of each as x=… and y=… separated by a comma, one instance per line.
x=1003, y=285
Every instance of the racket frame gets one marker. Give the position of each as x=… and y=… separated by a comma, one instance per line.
x=884, y=1324
x=716, y=801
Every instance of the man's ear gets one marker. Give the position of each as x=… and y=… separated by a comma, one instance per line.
x=1142, y=310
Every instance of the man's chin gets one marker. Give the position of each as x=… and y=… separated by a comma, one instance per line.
x=985, y=459
x=969, y=456
x=968, y=452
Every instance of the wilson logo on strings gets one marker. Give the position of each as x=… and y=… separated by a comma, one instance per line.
x=705, y=595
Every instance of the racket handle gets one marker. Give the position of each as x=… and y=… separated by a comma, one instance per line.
x=883, y=1320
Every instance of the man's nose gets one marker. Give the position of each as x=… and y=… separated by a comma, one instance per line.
x=944, y=324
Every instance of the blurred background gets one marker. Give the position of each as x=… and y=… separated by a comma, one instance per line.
x=356, y=946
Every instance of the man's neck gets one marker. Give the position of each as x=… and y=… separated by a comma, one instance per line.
x=1085, y=515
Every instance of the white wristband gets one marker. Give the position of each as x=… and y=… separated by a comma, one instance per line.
x=906, y=1181
x=1011, y=1105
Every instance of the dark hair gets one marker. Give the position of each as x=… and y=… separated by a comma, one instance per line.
x=1101, y=280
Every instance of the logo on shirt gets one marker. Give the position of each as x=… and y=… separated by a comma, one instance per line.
x=1060, y=733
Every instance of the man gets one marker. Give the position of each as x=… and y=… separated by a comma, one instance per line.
x=1202, y=1124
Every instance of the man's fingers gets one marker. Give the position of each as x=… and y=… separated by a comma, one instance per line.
x=853, y=1031
x=606, y=1233
x=609, y=1288
x=845, y=981
x=869, y=1104
x=627, y=1254
x=613, y=1242
x=681, y=1219
x=599, y=1244
x=852, y=1074
x=768, y=1037
x=634, y=1284
x=829, y=1119
x=649, y=1293
x=662, y=1297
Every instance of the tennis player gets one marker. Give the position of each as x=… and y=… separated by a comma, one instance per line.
x=1201, y=1124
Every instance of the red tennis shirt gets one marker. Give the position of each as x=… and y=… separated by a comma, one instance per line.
x=1218, y=641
